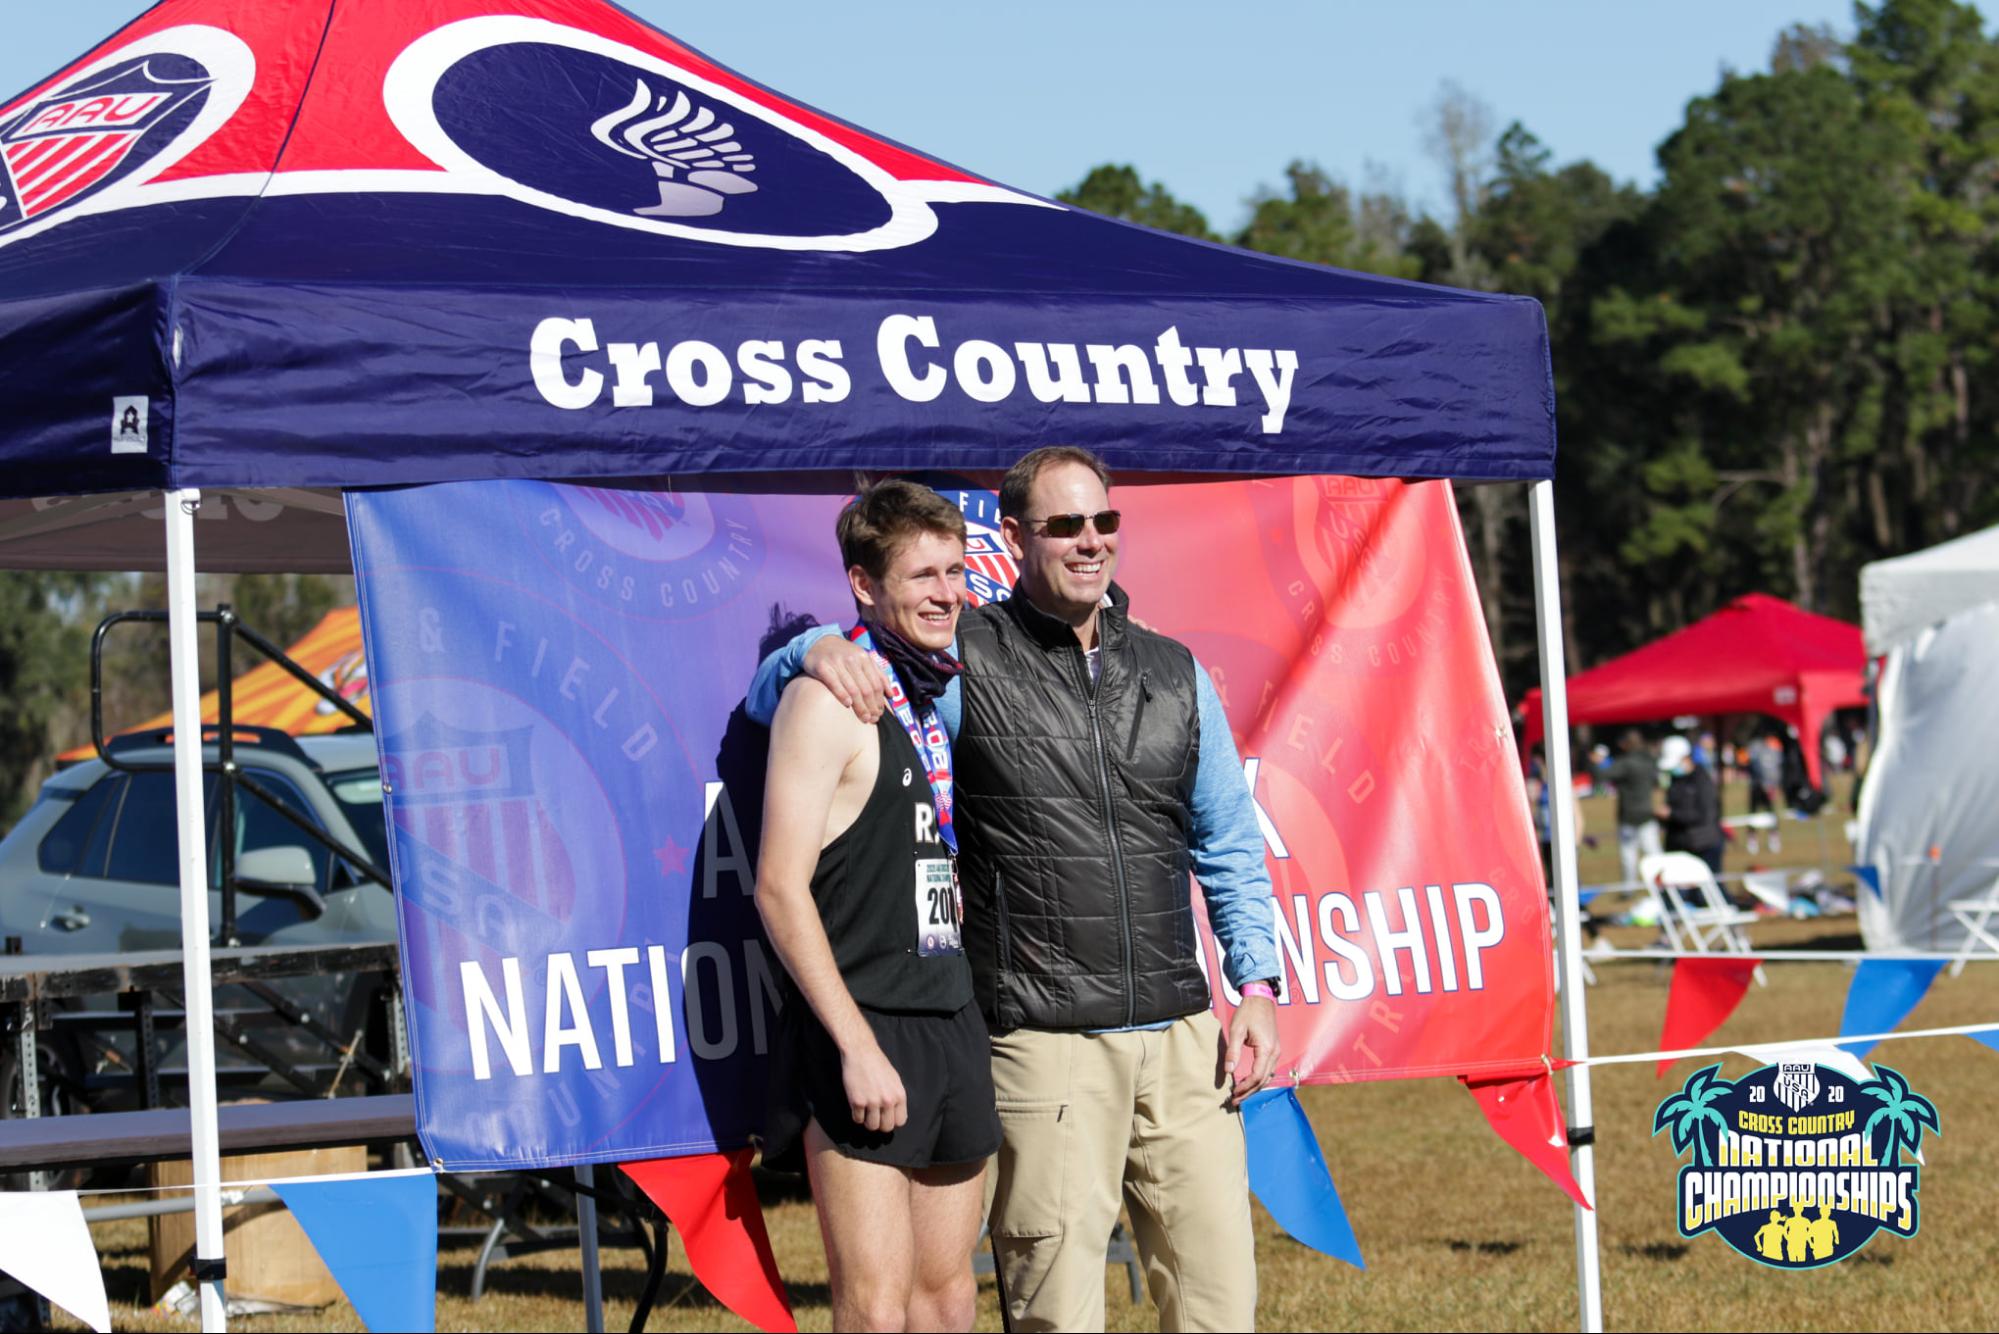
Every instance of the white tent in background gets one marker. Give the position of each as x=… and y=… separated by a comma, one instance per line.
x=1929, y=808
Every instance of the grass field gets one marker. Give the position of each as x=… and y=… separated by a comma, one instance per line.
x=1458, y=1231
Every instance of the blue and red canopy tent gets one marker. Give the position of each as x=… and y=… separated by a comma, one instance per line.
x=274, y=250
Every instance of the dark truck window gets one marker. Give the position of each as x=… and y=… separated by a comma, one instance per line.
x=145, y=845
x=61, y=850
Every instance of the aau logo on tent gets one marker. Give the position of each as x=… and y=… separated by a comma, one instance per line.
x=94, y=130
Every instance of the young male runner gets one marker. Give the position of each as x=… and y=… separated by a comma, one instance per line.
x=881, y=1062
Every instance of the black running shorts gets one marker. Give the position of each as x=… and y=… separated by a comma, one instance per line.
x=946, y=1068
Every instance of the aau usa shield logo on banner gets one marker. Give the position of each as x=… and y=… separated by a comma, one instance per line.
x=1795, y=1165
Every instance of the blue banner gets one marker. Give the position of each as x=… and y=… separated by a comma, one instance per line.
x=575, y=800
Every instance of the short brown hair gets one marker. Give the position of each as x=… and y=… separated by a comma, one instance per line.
x=1019, y=479
x=887, y=514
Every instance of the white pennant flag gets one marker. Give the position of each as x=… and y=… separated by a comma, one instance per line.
x=45, y=1243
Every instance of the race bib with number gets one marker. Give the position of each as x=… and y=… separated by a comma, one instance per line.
x=937, y=907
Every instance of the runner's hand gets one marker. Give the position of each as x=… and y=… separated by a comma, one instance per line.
x=1254, y=1026
x=875, y=1098
x=850, y=672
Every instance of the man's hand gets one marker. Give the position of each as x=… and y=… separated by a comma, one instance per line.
x=875, y=1098
x=850, y=672
x=1254, y=1026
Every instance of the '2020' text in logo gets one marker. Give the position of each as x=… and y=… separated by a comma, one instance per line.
x=1795, y=1165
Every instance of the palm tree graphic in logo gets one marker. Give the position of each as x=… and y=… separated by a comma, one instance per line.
x=1690, y=1109
x=695, y=155
x=1903, y=1112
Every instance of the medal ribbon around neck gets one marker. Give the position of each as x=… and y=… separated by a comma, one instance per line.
x=933, y=744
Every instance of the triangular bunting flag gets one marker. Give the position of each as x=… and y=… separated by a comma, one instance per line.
x=1525, y=1113
x=1869, y=876
x=1990, y=1037
x=1704, y=993
x=378, y=1237
x=712, y=1201
x=45, y=1243
x=1882, y=993
x=1288, y=1173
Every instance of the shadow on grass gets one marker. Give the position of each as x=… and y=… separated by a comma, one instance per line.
x=1484, y=1247
x=619, y=1285
x=1655, y=1250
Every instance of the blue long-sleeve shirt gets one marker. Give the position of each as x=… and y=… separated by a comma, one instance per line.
x=1227, y=844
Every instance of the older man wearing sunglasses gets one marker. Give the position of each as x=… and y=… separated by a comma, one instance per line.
x=1094, y=770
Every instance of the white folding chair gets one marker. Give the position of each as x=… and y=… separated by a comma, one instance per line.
x=1975, y=916
x=1697, y=916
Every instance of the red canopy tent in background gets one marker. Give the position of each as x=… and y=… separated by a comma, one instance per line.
x=1758, y=654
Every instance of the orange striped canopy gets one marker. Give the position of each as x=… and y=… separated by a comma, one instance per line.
x=268, y=696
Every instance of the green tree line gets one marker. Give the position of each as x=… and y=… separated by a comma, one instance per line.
x=1772, y=368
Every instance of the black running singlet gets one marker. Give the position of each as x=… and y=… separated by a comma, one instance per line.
x=888, y=893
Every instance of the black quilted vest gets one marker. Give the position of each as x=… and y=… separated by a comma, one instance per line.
x=1073, y=816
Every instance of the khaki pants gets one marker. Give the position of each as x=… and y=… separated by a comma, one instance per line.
x=1092, y=1120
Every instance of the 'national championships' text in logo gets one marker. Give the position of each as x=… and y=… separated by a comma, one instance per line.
x=1796, y=1165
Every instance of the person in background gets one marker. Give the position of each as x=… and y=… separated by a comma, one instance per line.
x=1691, y=816
x=1766, y=789
x=1634, y=777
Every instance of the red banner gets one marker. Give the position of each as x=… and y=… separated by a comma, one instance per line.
x=1340, y=622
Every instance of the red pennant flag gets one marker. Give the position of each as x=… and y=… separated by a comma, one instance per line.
x=1525, y=1114
x=710, y=1198
x=1705, y=992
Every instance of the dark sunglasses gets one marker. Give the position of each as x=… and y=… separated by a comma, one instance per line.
x=1071, y=525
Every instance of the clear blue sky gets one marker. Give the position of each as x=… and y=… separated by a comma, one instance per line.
x=1210, y=100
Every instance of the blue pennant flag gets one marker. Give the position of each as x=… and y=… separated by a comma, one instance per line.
x=1288, y=1173
x=1869, y=876
x=1990, y=1037
x=378, y=1237
x=1881, y=995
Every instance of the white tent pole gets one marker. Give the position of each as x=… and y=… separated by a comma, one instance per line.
x=1562, y=828
x=182, y=628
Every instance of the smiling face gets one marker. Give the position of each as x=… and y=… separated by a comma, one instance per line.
x=920, y=593
x=1066, y=577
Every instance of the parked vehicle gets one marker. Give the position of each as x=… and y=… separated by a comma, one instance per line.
x=93, y=869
